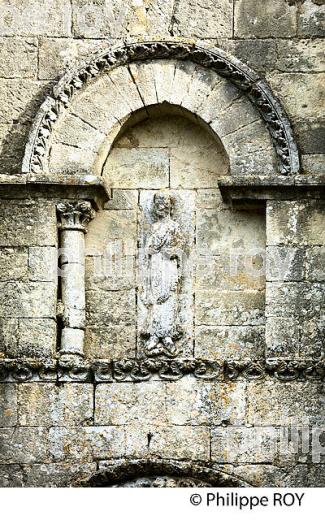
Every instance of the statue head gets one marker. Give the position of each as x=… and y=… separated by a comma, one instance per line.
x=162, y=204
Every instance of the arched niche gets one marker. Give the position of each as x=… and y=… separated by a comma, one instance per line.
x=194, y=156
x=166, y=149
x=77, y=124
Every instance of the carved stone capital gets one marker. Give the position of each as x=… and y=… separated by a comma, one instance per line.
x=75, y=215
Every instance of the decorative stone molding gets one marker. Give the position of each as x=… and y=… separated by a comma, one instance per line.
x=263, y=188
x=257, y=91
x=74, y=217
x=74, y=369
x=158, y=473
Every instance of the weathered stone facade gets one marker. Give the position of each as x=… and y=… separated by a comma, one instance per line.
x=162, y=243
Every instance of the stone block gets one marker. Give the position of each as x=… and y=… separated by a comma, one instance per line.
x=284, y=263
x=125, y=403
x=27, y=223
x=65, y=159
x=58, y=475
x=43, y=264
x=23, y=445
x=219, y=99
x=234, y=272
x=311, y=139
x=314, y=264
x=143, y=76
x=258, y=475
x=72, y=131
x=234, y=232
x=302, y=403
x=244, y=445
x=311, y=338
x=260, y=55
x=122, y=200
x=252, y=150
x=99, y=19
x=199, y=403
x=229, y=342
x=8, y=405
x=85, y=444
x=101, y=105
x=197, y=167
x=306, y=475
x=194, y=19
x=137, y=168
x=122, y=79
x=240, y=113
x=13, y=264
x=300, y=56
x=313, y=164
x=299, y=93
x=295, y=223
x=193, y=85
x=25, y=63
x=113, y=234
x=32, y=338
x=13, y=139
x=45, y=404
x=58, y=55
x=294, y=299
x=311, y=18
x=174, y=442
x=11, y=475
x=111, y=341
x=229, y=307
x=210, y=199
x=8, y=335
x=21, y=99
x=35, y=18
x=261, y=20
x=114, y=307
x=110, y=272
x=282, y=337
x=22, y=300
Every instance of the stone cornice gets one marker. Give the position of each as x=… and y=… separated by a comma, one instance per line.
x=256, y=89
x=87, y=187
x=258, y=187
x=135, y=370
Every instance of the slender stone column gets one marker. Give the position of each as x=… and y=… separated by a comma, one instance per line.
x=74, y=217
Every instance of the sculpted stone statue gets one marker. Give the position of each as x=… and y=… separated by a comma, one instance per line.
x=163, y=257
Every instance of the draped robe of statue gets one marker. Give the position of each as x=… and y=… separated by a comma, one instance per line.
x=163, y=253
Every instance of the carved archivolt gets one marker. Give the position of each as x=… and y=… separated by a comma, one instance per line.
x=157, y=473
x=255, y=89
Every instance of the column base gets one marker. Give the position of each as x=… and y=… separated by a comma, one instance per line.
x=72, y=341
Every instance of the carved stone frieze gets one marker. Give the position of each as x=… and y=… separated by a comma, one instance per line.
x=137, y=370
x=239, y=74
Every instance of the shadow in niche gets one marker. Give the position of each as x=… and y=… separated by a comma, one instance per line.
x=156, y=473
x=155, y=113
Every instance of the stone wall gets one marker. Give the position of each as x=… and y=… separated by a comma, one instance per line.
x=242, y=400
